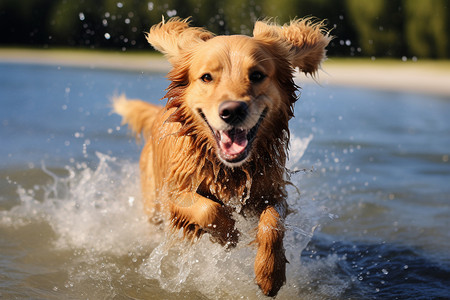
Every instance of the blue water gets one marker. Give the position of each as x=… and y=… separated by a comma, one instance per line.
x=372, y=220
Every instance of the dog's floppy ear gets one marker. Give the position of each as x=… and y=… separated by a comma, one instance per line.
x=306, y=41
x=175, y=36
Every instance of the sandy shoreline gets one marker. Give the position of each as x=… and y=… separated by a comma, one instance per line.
x=415, y=77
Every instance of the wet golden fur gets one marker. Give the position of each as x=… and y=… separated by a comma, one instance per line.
x=194, y=173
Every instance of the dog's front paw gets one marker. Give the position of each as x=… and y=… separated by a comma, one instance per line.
x=270, y=260
x=205, y=215
x=270, y=270
x=190, y=230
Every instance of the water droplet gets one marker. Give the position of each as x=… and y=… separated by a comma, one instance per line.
x=172, y=13
x=107, y=36
x=119, y=4
x=384, y=271
x=131, y=201
x=81, y=16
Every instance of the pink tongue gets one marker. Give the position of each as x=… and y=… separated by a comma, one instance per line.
x=233, y=142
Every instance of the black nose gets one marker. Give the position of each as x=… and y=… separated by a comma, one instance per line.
x=233, y=112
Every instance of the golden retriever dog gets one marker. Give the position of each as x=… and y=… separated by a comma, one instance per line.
x=219, y=145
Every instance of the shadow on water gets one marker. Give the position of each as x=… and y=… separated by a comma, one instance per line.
x=381, y=271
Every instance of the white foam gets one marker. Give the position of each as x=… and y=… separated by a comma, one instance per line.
x=88, y=209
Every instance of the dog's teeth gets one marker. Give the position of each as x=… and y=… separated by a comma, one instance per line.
x=224, y=138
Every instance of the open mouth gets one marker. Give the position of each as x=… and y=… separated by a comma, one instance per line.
x=235, y=144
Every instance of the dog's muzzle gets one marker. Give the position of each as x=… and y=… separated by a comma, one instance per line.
x=234, y=144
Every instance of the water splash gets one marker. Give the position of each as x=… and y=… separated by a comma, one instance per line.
x=87, y=209
x=106, y=246
x=298, y=147
x=204, y=266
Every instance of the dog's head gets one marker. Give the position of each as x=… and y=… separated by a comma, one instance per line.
x=237, y=91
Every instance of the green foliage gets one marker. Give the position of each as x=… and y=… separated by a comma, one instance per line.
x=65, y=22
x=427, y=27
x=379, y=26
x=361, y=27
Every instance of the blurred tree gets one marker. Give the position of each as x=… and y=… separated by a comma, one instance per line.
x=24, y=22
x=379, y=25
x=210, y=14
x=427, y=28
x=282, y=10
x=240, y=16
x=70, y=21
x=122, y=23
x=370, y=27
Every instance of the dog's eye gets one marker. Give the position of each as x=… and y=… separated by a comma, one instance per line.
x=206, y=77
x=256, y=77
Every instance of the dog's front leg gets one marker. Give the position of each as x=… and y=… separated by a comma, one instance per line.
x=203, y=215
x=270, y=261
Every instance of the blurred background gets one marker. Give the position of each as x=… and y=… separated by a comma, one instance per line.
x=376, y=28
